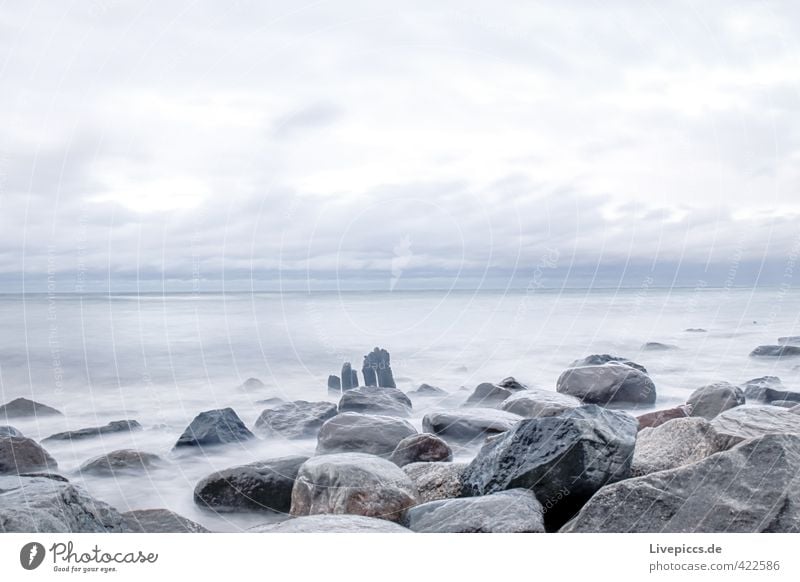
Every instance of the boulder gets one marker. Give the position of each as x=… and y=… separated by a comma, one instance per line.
x=44, y=505
x=214, y=427
x=112, y=427
x=708, y=401
x=564, y=459
x=428, y=390
x=658, y=347
x=160, y=521
x=610, y=383
x=22, y=407
x=364, y=433
x=373, y=400
x=377, y=365
x=418, y=448
x=352, y=483
x=600, y=359
x=434, y=481
x=295, y=420
x=252, y=384
x=512, y=511
x=512, y=384
x=751, y=488
x=768, y=388
x=265, y=485
x=464, y=425
x=9, y=431
x=333, y=524
x=659, y=417
x=488, y=395
x=23, y=455
x=782, y=351
x=122, y=461
x=793, y=340
x=747, y=422
x=536, y=402
x=673, y=444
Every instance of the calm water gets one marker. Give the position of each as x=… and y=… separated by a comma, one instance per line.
x=162, y=359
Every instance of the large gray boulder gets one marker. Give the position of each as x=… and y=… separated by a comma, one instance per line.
x=333, y=524
x=23, y=455
x=600, y=359
x=488, y=395
x=373, y=400
x=659, y=417
x=781, y=351
x=160, y=521
x=747, y=422
x=363, y=433
x=265, y=485
x=53, y=505
x=468, y=424
x=214, y=427
x=23, y=407
x=708, y=401
x=608, y=384
x=442, y=480
x=295, y=420
x=352, y=483
x=423, y=447
x=768, y=389
x=114, y=426
x=535, y=402
x=564, y=459
x=10, y=431
x=754, y=487
x=673, y=444
x=512, y=511
x=122, y=461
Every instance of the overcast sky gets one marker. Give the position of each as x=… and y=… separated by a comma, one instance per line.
x=400, y=143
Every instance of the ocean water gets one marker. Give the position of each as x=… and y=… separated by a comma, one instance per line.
x=161, y=359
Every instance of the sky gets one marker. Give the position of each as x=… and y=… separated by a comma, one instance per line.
x=308, y=145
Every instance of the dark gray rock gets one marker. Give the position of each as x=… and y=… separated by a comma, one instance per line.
x=488, y=395
x=658, y=347
x=22, y=407
x=334, y=385
x=536, y=402
x=512, y=384
x=112, y=427
x=353, y=378
x=754, y=487
x=708, y=401
x=266, y=485
x=23, y=455
x=428, y=390
x=793, y=340
x=347, y=377
x=418, y=448
x=782, y=351
x=352, y=483
x=468, y=424
x=659, y=417
x=252, y=384
x=160, y=521
x=378, y=364
x=296, y=420
x=512, y=511
x=564, y=459
x=42, y=504
x=747, y=422
x=214, y=427
x=10, y=431
x=768, y=388
x=612, y=383
x=442, y=480
x=600, y=359
x=363, y=433
x=673, y=444
x=372, y=400
x=333, y=524
x=122, y=461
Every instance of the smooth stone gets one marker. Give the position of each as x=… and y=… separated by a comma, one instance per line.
x=374, y=400
x=564, y=459
x=352, y=483
x=468, y=424
x=22, y=407
x=23, y=455
x=708, y=401
x=441, y=480
x=160, y=521
x=122, y=461
x=768, y=388
x=364, y=433
x=600, y=359
x=790, y=339
x=536, y=402
x=295, y=420
x=424, y=447
x=747, y=422
x=214, y=427
x=265, y=485
x=488, y=395
x=751, y=488
x=659, y=417
x=10, y=431
x=48, y=505
x=512, y=511
x=333, y=524
x=673, y=444
x=252, y=384
x=428, y=390
x=782, y=351
x=608, y=384
x=658, y=347
x=114, y=426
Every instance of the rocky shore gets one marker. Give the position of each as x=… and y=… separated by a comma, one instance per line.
x=582, y=458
